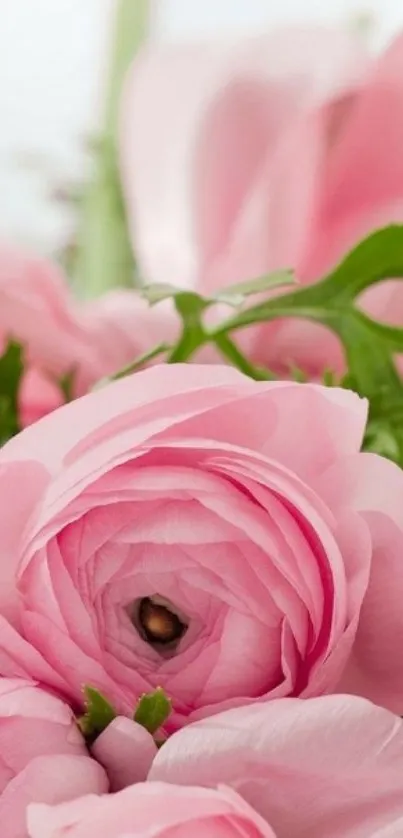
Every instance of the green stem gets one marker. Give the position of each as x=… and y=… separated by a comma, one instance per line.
x=140, y=361
x=104, y=254
x=230, y=351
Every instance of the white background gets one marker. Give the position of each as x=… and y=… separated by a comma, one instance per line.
x=52, y=63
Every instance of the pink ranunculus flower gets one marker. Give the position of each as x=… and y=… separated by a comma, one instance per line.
x=36, y=311
x=190, y=528
x=43, y=757
x=151, y=810
x=280, y=151
x=328, y=767
x=60, y=337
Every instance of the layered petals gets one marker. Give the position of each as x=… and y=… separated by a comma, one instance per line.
x=182, y=532
x=330, y=766
x=43, y=758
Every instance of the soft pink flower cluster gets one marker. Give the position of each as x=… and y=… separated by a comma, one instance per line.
x=280, y=151
x=193, y=529
x=271, y=548
x=61, y=338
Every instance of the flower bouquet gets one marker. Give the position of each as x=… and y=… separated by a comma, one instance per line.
x=201, y=484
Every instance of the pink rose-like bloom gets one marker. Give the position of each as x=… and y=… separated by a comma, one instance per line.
x=190, y=528
x=279, y=151
x=151, y=810
x=43, y=757
x=36, y=311
x=121, y=326
x=60, y=337
x=328, y=767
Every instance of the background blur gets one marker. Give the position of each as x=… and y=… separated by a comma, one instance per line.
x=53, y=60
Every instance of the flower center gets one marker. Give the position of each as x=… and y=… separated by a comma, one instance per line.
x=157, y=623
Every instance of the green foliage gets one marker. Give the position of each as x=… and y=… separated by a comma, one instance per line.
x=153, y=710
x=236, y=294
x=99, y=713
x=370, y=347
x=138, y=363
x=66, y=384
x=11, y=369
x=104, y=256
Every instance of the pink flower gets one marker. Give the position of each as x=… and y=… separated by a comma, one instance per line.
x=43, y=757
x=121, y=326
x=36, y=311
x=328, y=767
x=280, y=151
x=60, y=338
x=151, y=810
x=194, y=529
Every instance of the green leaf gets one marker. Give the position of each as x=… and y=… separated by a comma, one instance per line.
x=380, y=439
x=66, y=384
x=159, y=291
x=369, y=346
x=235, y=294
x=330, y=378
x=11, y=370
x=369, y=361
x=378, y=257
x=99, y=713
x=190, y=307
x=104, y=253
x=135, y=365
x=229, y=350
x=187, y=302
x=153, y=710
x=299, y=375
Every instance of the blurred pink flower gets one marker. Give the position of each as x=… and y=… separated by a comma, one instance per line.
x=120, y=326
x=279, y=151
x=59, y=336
x=43, y=757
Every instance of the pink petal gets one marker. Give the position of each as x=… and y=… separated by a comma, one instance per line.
x=50, y=779
x=273, y=221
x=376, y=667
x=38, y=396
x=150, y=810
x=393, y=830
x=373, y=487
x=327, y=766
x=363, y=184
x=78, y=427
x=126, y=751
x=38, y=311
x=21, y=487
x=121, y=326
x=172, y=92
x=320, y=411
